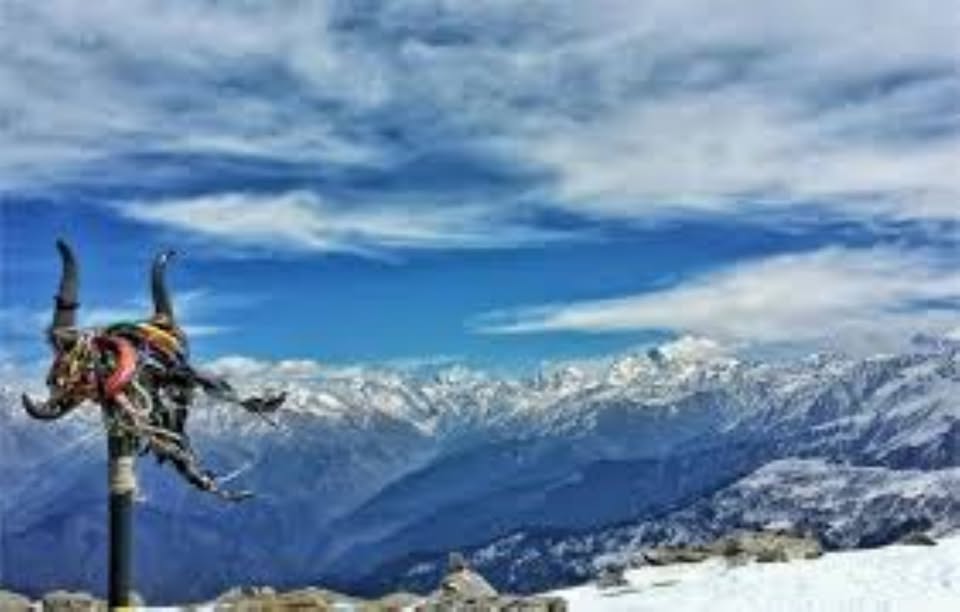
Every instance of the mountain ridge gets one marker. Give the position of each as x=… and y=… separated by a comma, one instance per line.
x=380, y=464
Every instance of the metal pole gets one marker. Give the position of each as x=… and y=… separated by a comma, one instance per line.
x=123, y=484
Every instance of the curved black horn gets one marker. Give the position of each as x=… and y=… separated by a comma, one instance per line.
x=65, y=310
x=43, y=411
x=162, y=306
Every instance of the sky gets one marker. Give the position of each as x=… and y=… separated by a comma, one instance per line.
x=499, y=183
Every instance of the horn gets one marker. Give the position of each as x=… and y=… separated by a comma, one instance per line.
x=44, y=411
x=162, y=307
x=65, y=311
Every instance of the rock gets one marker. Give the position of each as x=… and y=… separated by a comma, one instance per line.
x=266, y=599
x=772, y=555
x=12, y=602
x=668, y=555
x=741, y=547
x=498, y=603
x=302, y=599
x=66, y=601
x=461, y=582
x=768, y=547
x=917, y=538
x=456, y=562
x=395, y=601
x=610, y=577
x=310, y=595
x=464, y=590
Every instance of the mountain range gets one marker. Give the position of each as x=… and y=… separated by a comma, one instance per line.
x=372, y=476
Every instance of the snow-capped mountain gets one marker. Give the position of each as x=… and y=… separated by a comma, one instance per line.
x=372, y=475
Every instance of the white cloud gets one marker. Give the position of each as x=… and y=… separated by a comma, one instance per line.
x=623, y=109
x=302, y=220
x=243, y=367
x=80, y=85
x=631, y=109
x=868, y=299
x=721, y=107
x=740, y=151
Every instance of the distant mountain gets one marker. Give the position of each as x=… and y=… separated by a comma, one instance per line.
x=373, y=476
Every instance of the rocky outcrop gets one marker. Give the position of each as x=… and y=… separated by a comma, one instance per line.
x=266, y=599
x=11, y=602
x=499, y=603
x=611, y=576
x=917, y=538
x=463, y=583
x=741, y=547
x=464, y=590
x=766, y=547
x=670, y=555
x=394, y=601
x=66, y=601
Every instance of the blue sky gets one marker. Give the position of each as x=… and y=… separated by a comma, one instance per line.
x=500, y=183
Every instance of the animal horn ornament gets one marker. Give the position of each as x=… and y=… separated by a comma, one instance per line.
x=162, y=306
x=138, y=372
x=65, y=302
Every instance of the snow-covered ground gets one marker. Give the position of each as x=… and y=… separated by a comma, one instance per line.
x=895, y=579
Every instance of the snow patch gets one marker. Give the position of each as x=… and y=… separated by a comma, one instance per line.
x=892, y=578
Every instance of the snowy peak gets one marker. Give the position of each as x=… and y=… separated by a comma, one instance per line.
x=681, y=361
x=692, y=350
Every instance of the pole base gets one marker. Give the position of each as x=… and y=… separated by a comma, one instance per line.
x=123, y=486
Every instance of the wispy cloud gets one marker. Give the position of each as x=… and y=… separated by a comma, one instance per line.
x=729, y=108
x=82, y=85
x=856, y=299
x=368, y=128
x=627, y=109
x=303, y=220
x=737, y=151
x=245, y=368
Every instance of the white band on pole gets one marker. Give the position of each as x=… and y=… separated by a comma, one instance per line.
x=122, y=477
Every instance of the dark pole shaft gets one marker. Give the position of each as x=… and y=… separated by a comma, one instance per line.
x=122, y=487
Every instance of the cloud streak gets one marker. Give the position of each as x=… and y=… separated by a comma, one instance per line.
x=856, y=299
x=370, y=128
x=731, y=109
x=301, y=220
x=632, y=110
